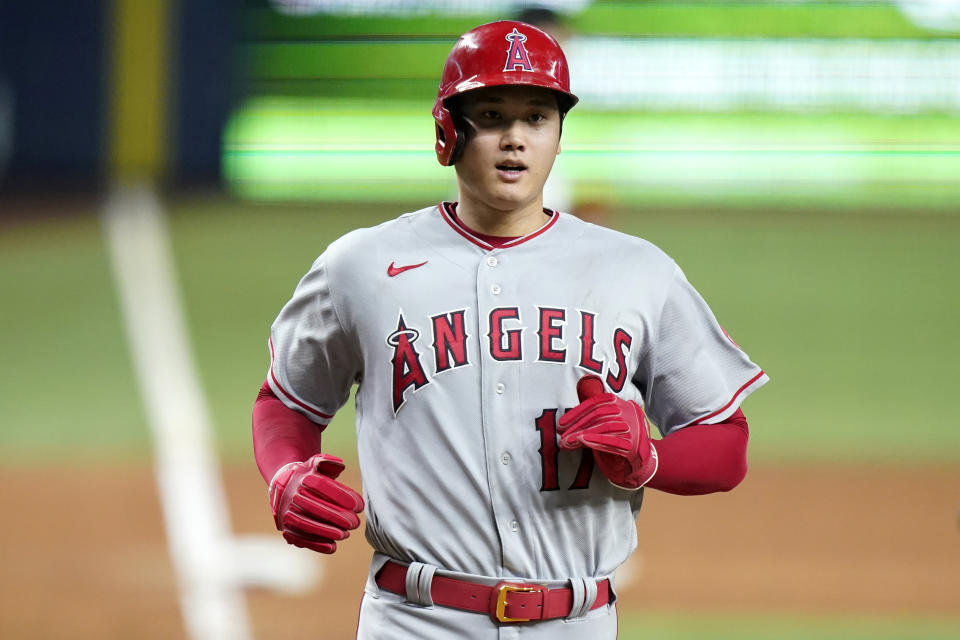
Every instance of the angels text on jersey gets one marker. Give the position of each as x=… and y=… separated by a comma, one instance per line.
x=562, y=337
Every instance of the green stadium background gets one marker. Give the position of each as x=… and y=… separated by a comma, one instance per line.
x=822, y=226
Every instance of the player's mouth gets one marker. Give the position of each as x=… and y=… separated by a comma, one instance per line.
x=511, y=171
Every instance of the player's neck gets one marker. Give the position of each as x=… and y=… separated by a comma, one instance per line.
x=495, y=222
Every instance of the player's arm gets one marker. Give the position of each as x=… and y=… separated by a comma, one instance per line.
x=310, y=507
x=703, y=458
x=313, y=363
x=690, y=362
x=280, y=434
x=695, y=460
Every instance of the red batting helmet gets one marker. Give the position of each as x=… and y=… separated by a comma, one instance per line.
x=492, y=55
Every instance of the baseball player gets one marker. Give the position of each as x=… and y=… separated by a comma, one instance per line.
x=507, y=357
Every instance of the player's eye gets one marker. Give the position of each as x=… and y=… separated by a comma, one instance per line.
x=537, y=118
x=491, y=114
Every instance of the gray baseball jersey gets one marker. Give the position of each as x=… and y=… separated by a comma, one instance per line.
x=466, y=355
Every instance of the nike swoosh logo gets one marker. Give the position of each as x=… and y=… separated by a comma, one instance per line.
x=395, y=271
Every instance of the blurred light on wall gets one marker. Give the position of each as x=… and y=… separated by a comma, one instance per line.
x=899, y=76
x=303, y=148
x=940, y=15
x=291, y=148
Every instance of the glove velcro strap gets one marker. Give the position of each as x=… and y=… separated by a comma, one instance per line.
x=279, y=483
x=640, y=477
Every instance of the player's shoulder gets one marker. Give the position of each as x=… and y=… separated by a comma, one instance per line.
x=606, y=243
x=359, y=243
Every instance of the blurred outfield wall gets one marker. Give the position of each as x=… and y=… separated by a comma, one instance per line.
x=57, y=61
x=804, y=104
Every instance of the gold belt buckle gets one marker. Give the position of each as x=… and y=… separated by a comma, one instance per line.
x=502, y=590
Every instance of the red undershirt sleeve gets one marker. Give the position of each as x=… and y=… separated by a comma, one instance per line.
x=703, y=458
x=696, y=460
x=280, y=434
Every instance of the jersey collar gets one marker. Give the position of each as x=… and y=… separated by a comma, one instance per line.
x=447, y=212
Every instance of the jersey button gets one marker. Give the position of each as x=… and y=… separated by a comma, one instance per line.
x=514, y=526
x=500, y=387
x=505, y=458
x=492, y=261
x=495, y=289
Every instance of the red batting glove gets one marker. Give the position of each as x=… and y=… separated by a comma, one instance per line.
x=310, y=507
x=615, y=429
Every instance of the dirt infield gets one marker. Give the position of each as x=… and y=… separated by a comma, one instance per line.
x=84, y=556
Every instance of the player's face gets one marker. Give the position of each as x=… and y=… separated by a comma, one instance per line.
x=513, y=138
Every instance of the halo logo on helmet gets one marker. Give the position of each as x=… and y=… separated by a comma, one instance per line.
x=517, y=53
x=476, y=61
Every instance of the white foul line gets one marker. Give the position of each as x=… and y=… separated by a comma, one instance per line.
x=210, y=565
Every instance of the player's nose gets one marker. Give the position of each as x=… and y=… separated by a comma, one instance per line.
x=512, y=137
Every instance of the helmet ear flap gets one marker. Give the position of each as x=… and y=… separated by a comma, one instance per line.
x=450, y=136
x=459, y=126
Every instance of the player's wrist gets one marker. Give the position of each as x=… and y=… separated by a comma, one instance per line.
x=282, y=475
x=278, y=484
x=642, y=470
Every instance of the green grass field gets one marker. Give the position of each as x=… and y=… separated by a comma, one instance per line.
x=853, y=316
